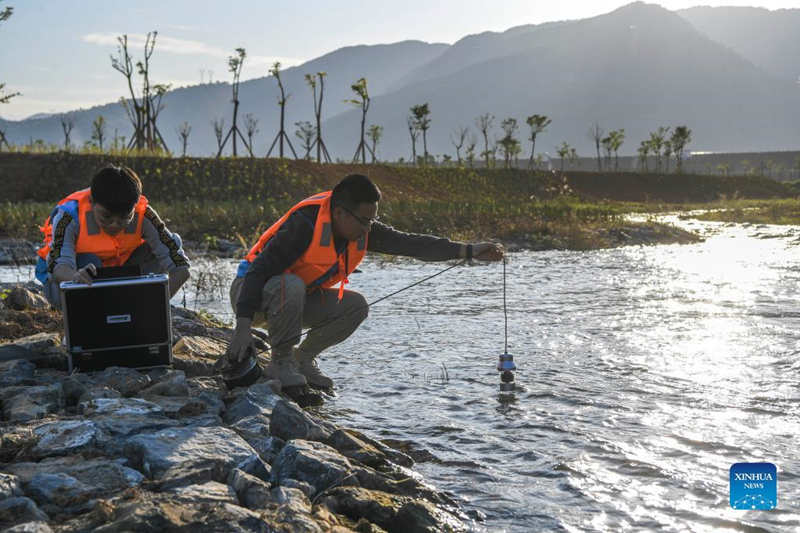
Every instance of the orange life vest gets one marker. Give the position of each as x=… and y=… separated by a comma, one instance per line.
x=112, y=250
x=320, y=265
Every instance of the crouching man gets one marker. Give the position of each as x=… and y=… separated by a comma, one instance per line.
x=287, y=278
x=108, y=224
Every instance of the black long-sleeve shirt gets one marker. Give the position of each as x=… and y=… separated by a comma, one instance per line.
x=294, y=237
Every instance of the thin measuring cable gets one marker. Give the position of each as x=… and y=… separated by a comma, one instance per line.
x=355, y=309
x=505, y=309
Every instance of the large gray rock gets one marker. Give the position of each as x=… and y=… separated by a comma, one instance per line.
x=19, y=510
x=74, y=387
x=253, y=493
x=21, y=404
x=15, y=370
x=58, y=489
x=255, y=430
x=391, y=512
x=172, y=383
x=294, y=510
x=42, y=349
x=196, y=354
x=165, y=512
x=210, y=491
x=30, y=527
x=184, y=451
x=94, y=392
x=258, y=399
x=119, y=407
x=312, y=462
x=103, y=476
x=354, y=448
x=64, y=437
x=20, y=298
x=16, y=442
x=9, y=486
x=127, y=381
x=288, y=421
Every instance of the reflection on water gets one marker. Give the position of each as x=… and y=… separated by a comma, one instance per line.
x=643, y=374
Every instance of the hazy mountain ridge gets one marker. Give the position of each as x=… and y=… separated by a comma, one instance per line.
x=767, y=38
x=638, y=67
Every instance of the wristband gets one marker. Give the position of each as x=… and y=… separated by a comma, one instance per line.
x=469, y=252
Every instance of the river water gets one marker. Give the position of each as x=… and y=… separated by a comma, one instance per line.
x=644, y=373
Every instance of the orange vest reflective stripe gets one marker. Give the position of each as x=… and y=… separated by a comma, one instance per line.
x=112, y=250
x=320, y=265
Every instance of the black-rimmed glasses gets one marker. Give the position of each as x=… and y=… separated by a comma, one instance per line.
x=366, y=222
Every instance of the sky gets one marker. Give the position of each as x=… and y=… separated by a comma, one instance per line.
x=57, y=53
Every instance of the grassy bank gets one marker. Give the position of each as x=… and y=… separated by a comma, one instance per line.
x=236, y=199
x=786, y=211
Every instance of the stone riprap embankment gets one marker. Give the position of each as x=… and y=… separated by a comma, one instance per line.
x=173, y=449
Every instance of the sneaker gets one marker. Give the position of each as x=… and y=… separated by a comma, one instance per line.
x=312, y=373
x=284, y=369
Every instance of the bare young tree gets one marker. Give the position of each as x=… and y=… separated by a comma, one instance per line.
x=413, y=132
x=312, y=82
x=142, y=111
x=608, y=146
x=421, y=114
x=219, y=129
x=374, y=133
x=67, y=125
x=363, y=100
x=235, y=67
x=3, y=140
x=183, y=132
x=99, y=131
x=657, y=139
x=643, y=151
x=537, y=123
x=680, y=138
x=617, y=138
x=251, y=126
x=471, y=143
x=458, y=137
x=566, y=153
x=509, y=143
x=596, y=134
x=305, y=132
x=276, y=73
x=484, y=123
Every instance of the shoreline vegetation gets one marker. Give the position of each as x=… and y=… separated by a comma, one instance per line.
x=221, y=205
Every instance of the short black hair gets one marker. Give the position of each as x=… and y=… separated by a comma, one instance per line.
x=353, y=190
x=117, y=189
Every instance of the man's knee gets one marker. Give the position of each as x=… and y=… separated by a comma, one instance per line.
x=359, y=309
x=286, y=287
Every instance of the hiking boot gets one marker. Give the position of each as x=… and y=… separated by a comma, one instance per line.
x=309, y=368
x=284, y=369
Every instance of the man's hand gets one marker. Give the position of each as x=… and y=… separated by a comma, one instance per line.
x=85, y=274
x=488, y=251
x=241, y=345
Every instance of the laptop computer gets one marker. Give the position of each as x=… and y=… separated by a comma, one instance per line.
x=118, y=322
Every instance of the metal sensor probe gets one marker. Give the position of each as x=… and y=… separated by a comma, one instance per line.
x=506, y=368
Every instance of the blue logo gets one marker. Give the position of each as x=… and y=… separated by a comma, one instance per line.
x=754, y=486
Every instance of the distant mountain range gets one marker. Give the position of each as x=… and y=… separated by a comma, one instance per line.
x=730, y=74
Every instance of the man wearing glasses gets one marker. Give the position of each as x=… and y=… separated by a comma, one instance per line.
x=295, y=274
x=110, y=224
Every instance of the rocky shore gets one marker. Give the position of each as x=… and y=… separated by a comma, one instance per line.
x=174, y=449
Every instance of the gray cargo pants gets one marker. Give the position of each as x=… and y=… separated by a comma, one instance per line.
x=286, y=308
